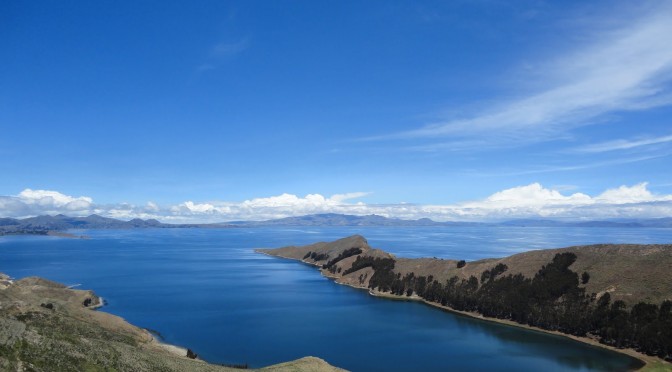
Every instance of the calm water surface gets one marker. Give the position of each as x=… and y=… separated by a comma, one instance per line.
x=207, y=289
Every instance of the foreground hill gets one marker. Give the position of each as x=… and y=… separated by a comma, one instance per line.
x=45, y=326
x=620, y=295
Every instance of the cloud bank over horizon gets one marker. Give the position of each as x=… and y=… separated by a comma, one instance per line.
x=528, y=201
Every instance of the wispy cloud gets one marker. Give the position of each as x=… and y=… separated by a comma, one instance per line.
x=626, y=69
x=221, y=52
x=583, y=166
x=623, y=144
x=533, y=200
x=226, y=50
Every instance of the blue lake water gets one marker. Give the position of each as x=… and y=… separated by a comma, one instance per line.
x=207, y=290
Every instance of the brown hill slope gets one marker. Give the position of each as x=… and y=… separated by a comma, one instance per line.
x=629, y=272
x=45, y=326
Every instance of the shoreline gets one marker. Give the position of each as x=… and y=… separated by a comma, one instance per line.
x=62, y=234
x=99, y=304
x=646, y=360
x=153, y=340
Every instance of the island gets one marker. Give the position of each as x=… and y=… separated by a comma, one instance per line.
x=613, y=296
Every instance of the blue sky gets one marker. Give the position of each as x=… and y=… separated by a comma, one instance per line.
x=136, y=108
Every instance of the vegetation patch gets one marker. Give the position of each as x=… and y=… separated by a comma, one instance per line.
x=316, y=256
x=343, y=255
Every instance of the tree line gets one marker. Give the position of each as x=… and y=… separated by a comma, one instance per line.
x=551, y=300
x=331, y=264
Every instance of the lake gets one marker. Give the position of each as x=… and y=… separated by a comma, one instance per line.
x=207, y=290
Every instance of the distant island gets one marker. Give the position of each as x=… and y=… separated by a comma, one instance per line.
x=46, y=326
x=615, y=296
x=48, y=225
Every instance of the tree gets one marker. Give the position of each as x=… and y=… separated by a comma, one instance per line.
x=585, y=277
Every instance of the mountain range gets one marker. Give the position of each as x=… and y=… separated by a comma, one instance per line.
x=42, y=225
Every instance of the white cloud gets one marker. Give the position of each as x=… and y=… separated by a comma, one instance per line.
x=634, y=194
x=33, y=202
x=533, y=194
x=199, y=208
x=52, y=198
x=151, y=206
x=626, y=69
x=536, y=201
x=264, y=208
x=533, y=200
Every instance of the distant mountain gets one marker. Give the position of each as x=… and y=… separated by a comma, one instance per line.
x=42, y=225
x=658, y=222
x=8, y=222
x=334, y=219
x=94, y=221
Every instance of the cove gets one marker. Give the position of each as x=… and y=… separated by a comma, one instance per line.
x=206, y=289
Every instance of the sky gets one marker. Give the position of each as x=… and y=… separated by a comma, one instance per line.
x=226, y=110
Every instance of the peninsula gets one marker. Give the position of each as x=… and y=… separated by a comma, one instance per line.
x=614, y=296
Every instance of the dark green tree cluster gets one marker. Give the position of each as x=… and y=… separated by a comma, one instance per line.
x=383, y=274
x=646, y=327
x=316, y=256
x=585, y=277
x=461, y=264
x=343, y=255
x=489, y=275
x=551, y=300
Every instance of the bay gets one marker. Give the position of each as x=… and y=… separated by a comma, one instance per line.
x=206, y=289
